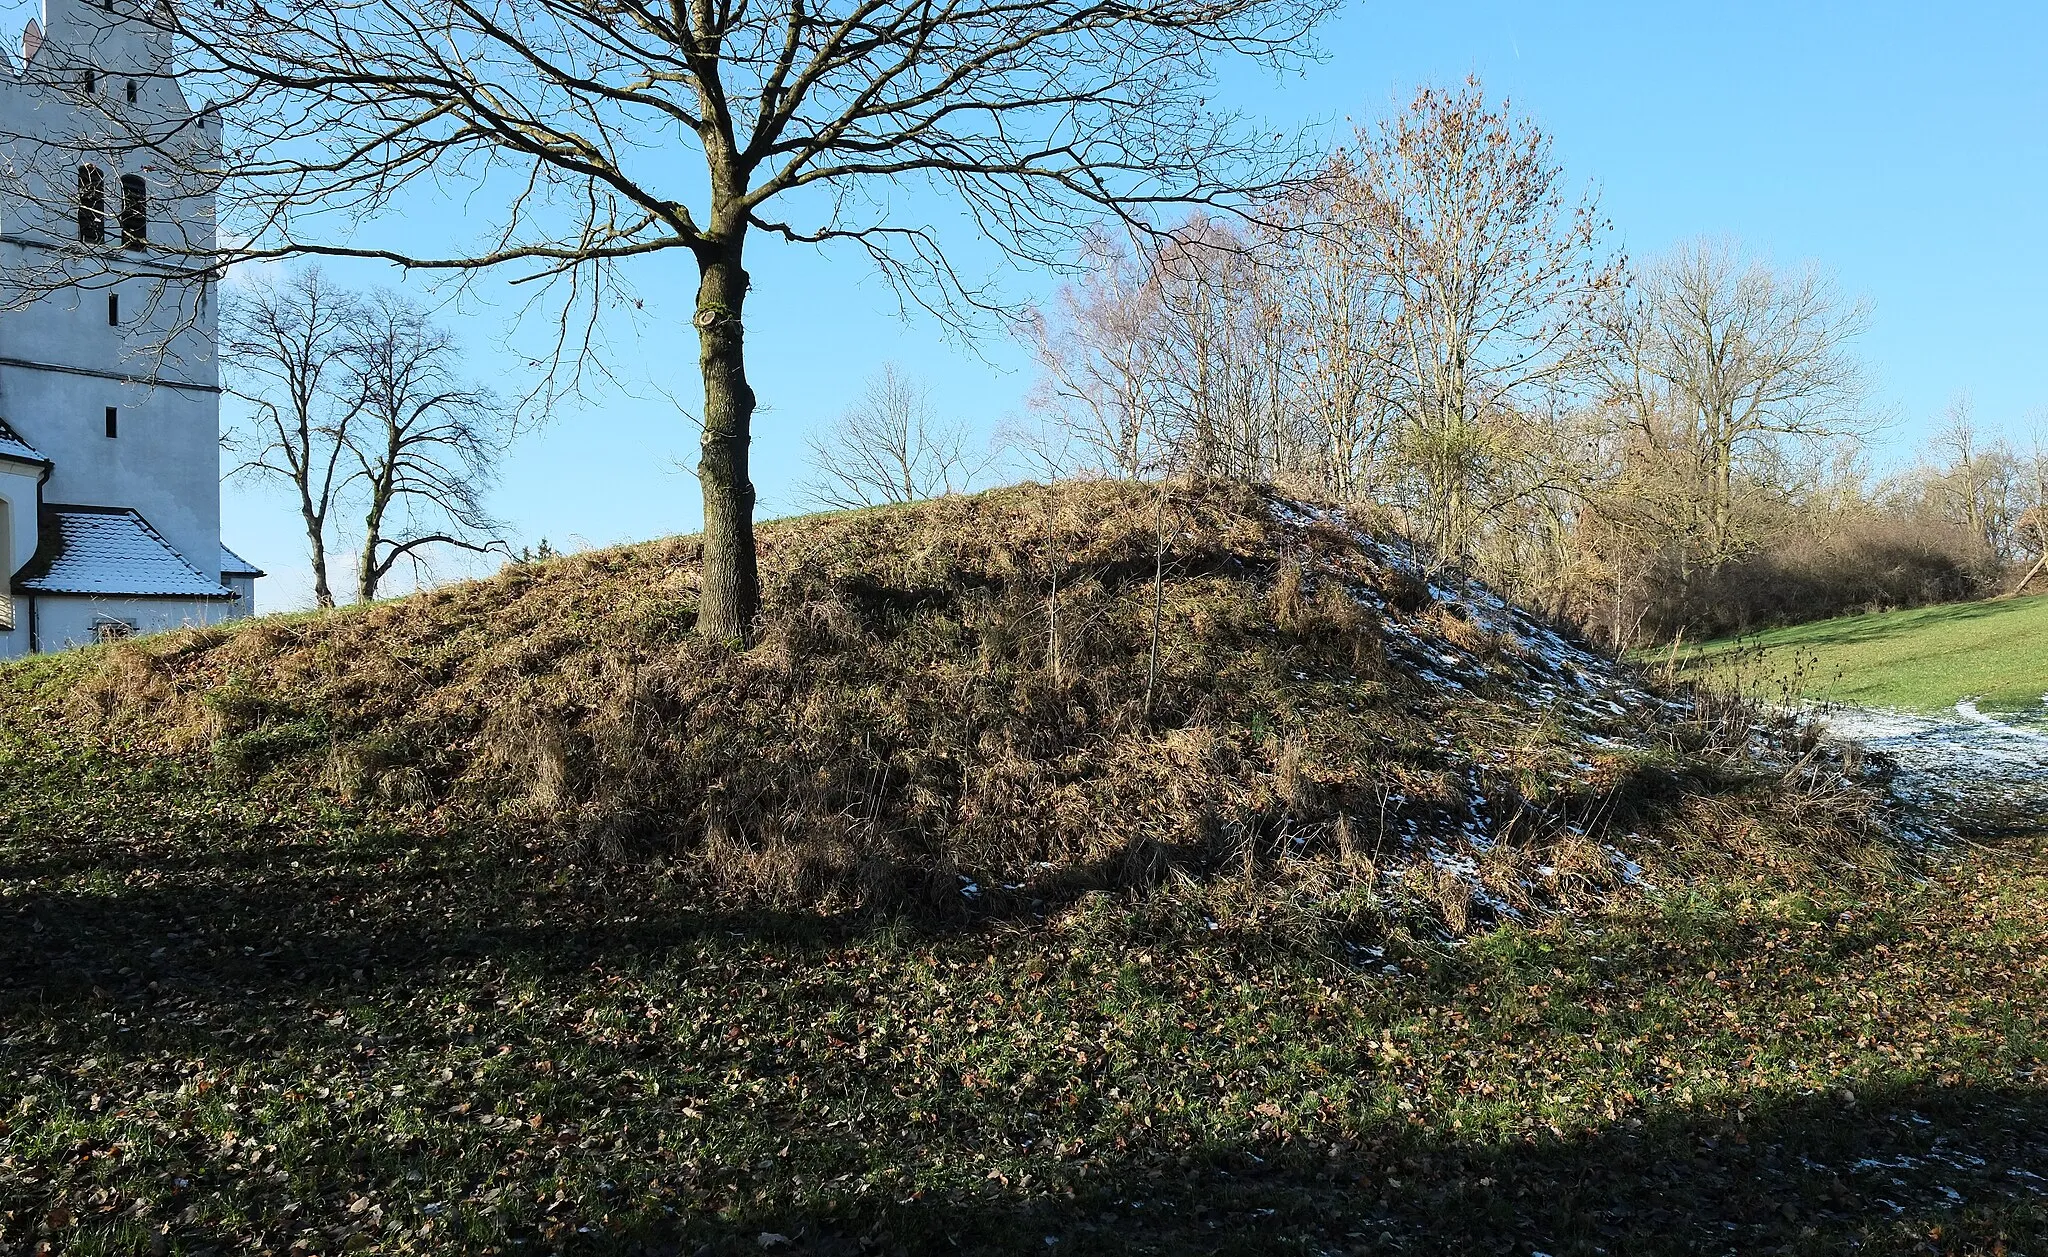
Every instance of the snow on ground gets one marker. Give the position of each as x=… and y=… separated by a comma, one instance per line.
x=1971, y=770
x=1584, y=695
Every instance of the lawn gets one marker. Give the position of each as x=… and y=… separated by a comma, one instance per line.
x=1926, y=659
x=233, y=1022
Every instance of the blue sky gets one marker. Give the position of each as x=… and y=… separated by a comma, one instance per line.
x=1901, y=146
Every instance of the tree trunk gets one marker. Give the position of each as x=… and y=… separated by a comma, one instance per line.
x=316, y=546
x=731, y=593
x=368, y=575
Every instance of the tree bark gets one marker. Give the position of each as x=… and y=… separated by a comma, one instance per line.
x=316, y=544
x=731, y=594
x=368, y=575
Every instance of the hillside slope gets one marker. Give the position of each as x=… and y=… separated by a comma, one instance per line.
x=497, y=921
x=950, y=711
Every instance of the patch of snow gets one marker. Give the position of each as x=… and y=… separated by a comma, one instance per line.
x=1971, y=769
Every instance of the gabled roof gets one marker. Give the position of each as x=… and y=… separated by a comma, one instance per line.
x=109, y=551
x=232, y=564
x=12, y=447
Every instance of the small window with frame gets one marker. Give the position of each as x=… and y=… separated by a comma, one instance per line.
x=108, y=628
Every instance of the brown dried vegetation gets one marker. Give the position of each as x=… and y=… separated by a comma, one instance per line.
x=944, y=694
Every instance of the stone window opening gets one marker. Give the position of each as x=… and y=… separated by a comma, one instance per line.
x=134, y=212
x=92, y=205
x=113, y=422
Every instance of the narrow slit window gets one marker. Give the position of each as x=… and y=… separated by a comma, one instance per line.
x=113, y=423
x=113, y=309
x=92, y=205
x=131, y=91
x=134, y=212
x=92, y=82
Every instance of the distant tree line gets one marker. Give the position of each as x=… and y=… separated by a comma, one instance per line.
x=1438, y=325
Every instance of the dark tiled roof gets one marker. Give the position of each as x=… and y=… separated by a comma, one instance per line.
x=110, y=551
x=13, y=447
x=232, y=564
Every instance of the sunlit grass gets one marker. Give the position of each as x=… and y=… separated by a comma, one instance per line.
x=1925, y=659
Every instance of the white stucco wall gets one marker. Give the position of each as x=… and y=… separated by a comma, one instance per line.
x=245, y=589
x=17, y=545
x=63, y=622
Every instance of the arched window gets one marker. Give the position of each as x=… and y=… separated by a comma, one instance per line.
x=92, y=205
x=134, y=212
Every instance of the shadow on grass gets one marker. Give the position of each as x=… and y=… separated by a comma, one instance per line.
x=1907, y=1170
x=119, y=951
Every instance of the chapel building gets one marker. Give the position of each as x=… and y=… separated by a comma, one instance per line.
x=109, y=379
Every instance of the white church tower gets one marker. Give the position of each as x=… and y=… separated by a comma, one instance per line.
x=109, y=383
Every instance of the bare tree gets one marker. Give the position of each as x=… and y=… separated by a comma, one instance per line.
x=287, y=346
x=1727, y=367
x=425, y=446
x=800, y=118
x=2030, y=523
x=1347, y=310
x=1099, y=360
x=1497, y=271
x=889, y=446
x=1979, y=482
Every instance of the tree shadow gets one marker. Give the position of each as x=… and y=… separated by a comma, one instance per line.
x=1910, y=1169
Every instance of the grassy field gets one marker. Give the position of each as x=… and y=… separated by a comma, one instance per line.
x=240, y=1024
x=1926, y=659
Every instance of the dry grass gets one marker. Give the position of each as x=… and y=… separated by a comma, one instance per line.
x=945, y=695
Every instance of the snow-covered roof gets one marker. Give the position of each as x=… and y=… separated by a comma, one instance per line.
x=12, y=446
x=110, y=551
x=232, y=564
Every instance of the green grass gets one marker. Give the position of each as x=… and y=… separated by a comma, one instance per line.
x=1926, y=659
x=259, y=1023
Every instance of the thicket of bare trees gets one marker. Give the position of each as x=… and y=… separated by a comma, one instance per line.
x=1391, y=330
x=1439, y=324
x=356, y=404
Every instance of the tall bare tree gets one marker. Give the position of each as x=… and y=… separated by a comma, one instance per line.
x=2030, y=523
x=603, y=131
x=1098, y=358
x=889, y=446
x=1728, y=366
x=1979, y=480
x=1497, y=269
x=287, y=346
x=425, y=444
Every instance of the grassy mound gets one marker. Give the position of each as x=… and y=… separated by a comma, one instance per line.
x=346, y=933
x=977, y=704
x=1926, y=659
